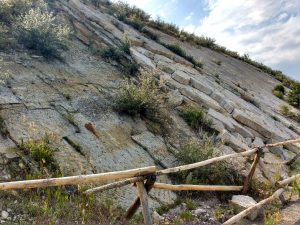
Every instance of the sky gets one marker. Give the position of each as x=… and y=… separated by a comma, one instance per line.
x=267, y=30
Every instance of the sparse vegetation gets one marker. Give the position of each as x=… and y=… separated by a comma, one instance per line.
x=119, y=54
x=294, y=96
x=150, y=35
x=286, y=111
x=142, y=99
x=40, y=30
x=186, y=215
x=279, y=91
x=196, y=118
x=40, y=151
x=179, y=51
x=217, y=173
x=272, y=214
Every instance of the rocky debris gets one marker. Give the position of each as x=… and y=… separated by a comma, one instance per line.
x=242, y=202
x=4, y=214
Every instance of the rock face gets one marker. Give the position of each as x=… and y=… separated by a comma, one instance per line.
x=38, y=95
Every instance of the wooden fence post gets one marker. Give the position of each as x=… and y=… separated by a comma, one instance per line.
x=143, y=195
x=136, y=204
x=252, y=170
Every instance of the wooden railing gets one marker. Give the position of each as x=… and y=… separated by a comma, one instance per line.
x=145, y=179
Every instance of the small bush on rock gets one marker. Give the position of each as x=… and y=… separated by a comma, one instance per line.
x=196, y=118
x=40, y=30
x=40, y=151
x=216, y=173
x=279, y=91
x=143, y=99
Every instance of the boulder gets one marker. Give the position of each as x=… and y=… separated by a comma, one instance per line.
x=242, y=202
x=181, y=77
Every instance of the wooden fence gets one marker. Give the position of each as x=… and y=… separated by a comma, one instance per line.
x=145, y=179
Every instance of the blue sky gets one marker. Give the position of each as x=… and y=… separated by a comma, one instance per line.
x=267, y=30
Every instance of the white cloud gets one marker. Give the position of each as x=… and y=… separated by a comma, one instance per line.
x=268, y=30
x=189, y=17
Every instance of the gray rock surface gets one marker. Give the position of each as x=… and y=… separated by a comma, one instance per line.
x=242, y=202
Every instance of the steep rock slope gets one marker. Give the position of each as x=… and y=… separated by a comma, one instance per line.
x=37, y=96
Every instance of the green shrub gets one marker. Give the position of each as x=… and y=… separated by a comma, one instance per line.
x=40, y=30
x=294, y=96
x=217, y=173
x=196, y=118
x=143, y=99
x=179, y=51
x=279, y=91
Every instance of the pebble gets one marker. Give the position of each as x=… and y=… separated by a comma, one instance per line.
x=4, y=214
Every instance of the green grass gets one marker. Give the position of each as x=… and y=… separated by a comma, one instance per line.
x=196, y=118
x=186, y=215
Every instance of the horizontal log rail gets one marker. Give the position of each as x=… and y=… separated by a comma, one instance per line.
x=138, y=176
x=196, y=187
x=75, y=180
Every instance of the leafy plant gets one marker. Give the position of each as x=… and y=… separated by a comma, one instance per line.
x=40, y=30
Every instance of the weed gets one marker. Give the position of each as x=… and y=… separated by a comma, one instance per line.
x=186, y=215
x=41, y=152
x=165, y=208
x=272, y=214
x=196, y=118
x=190, y=205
